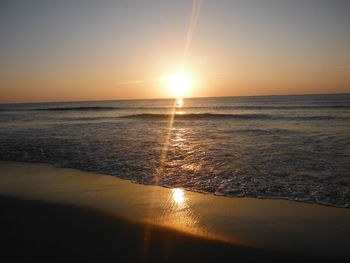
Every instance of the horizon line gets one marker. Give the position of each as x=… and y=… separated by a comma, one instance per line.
x=171, y=98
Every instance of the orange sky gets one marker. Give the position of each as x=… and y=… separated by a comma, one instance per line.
x=64, y=51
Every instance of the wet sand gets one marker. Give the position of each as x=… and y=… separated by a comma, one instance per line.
x=35, y=231
x=56, y=214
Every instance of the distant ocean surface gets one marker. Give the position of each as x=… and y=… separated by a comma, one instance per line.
x=286, y=147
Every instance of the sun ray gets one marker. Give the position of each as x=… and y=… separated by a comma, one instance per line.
x=196, y=6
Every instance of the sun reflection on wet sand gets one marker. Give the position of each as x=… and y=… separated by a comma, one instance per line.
x=178, y=196
x=176, y=212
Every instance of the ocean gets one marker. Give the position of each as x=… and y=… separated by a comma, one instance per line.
x=283, y=147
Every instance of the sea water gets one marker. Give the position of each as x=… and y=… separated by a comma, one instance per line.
x=287, y=147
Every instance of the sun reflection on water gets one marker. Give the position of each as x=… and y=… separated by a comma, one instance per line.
x=179, y=103
x=176, y=210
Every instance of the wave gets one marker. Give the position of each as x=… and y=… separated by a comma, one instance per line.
x=306, y=107
x=252, y=107
x=216, y=116
x=226, y=107
x=272, y=131
x=198, y=116
x=90, y=108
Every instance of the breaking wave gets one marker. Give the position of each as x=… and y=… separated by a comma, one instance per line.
x=216, y=116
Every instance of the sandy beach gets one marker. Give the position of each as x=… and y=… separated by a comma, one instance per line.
x=35, y=231
x=48, y=211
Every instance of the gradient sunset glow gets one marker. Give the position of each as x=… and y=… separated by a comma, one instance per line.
x=98, y=50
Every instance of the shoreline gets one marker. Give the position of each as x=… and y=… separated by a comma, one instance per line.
x=185, y=189
x=281, y=226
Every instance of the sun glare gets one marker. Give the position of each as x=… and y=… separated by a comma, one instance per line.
x=179, y=84
x=178, y=196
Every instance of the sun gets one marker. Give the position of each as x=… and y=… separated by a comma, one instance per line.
x=178, y=84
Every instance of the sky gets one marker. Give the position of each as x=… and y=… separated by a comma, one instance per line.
x=103, y=50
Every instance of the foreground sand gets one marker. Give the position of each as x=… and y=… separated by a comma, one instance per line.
x=101, y=218
x=34, y=231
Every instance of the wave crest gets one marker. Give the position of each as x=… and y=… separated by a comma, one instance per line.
x=198, y=116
